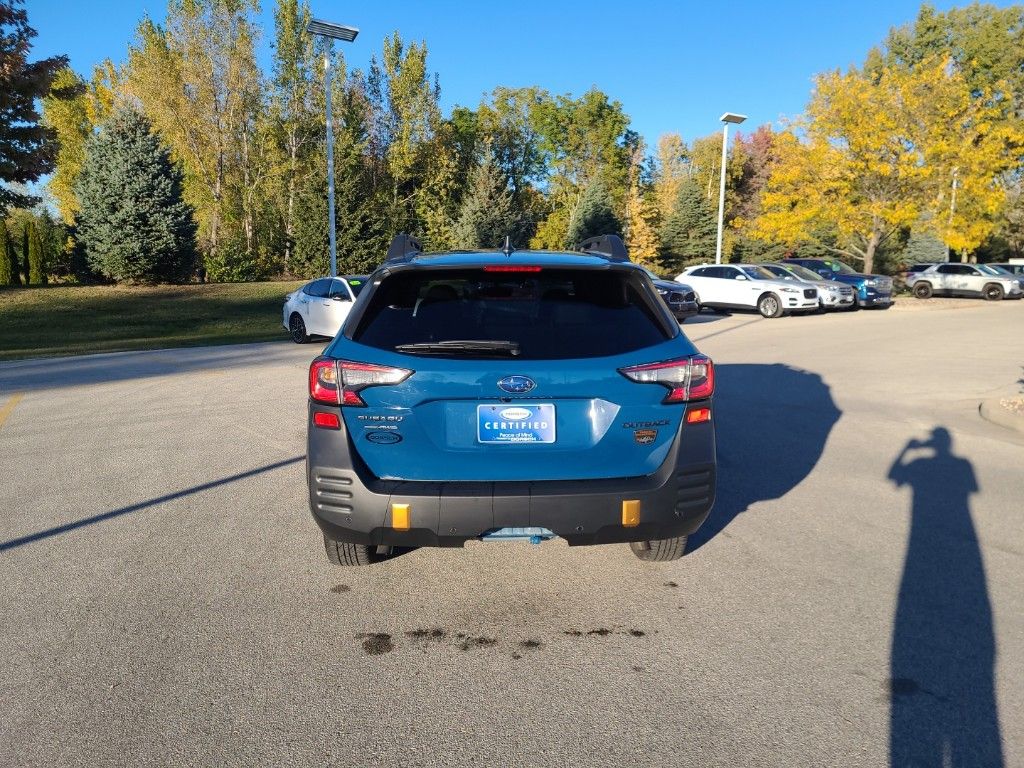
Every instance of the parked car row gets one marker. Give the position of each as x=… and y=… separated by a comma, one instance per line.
x=791, y=286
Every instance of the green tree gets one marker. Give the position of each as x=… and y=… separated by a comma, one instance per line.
x=198, y=83
x=689, y=233
x=23, y=257
x=34, y=255
x=8, y=274
x=134, y=221
x=594, y=215
x=486, y=216
x=27, y=148
x=508, y=123
x=405, y=118
x=984, y=42
x=296, y=112
x=581, y=139
x=924, y=247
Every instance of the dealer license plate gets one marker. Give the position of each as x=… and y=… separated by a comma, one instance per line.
x=502, y=423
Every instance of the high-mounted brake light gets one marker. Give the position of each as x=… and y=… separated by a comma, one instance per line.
x=689, y=378
x=339, y=382
x=511, y=268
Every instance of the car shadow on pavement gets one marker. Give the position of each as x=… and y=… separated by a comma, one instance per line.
x=57, y=530
x=943, y=707
x=772, y=422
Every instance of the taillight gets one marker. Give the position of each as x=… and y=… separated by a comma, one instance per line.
x=338, y=382
x=689, y=378
x=511, y=268
x=323, y=381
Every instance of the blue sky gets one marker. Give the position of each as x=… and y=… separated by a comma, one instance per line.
x=674, y=66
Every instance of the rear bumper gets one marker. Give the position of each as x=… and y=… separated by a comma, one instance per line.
x=349, y=504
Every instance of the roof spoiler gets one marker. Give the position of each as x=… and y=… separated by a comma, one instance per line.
x=610, y=246
x=403, y=248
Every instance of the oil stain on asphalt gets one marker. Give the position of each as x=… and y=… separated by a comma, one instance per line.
x=378, y=643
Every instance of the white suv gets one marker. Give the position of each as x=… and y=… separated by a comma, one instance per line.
x=963, y=280
x=744, y=286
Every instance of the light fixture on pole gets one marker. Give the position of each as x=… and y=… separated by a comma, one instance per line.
x=331, y=32
x=727, y=118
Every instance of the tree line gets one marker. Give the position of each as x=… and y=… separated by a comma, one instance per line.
x=187, y=161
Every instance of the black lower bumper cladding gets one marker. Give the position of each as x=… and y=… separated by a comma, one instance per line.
x=350, y=504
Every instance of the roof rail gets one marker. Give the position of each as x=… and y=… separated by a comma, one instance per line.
x=610, y=246
x=403, y=248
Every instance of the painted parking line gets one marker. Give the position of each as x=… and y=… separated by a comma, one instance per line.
x=8, y=407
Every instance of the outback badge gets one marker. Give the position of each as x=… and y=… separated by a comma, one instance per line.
x=645, y=436
x=517, y=385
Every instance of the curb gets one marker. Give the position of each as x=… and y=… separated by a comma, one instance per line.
x=992, y=411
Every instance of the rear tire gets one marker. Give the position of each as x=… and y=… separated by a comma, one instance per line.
x=344, y=553
x=297, y=328
x=659, y=550
x=769, y=306
x=992, y=292
x=923, y=290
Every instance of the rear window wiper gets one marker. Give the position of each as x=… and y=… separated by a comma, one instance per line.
x=460, y=345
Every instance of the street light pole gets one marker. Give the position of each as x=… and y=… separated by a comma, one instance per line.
x=330, y=162
x=727, y=118
x=331, y=32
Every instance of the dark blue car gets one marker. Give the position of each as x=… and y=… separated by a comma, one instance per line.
x=502, y=395
x=869, y=290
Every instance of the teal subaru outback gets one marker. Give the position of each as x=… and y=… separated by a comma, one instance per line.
x=499, y=395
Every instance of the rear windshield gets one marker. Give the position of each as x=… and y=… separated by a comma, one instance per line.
x=549, y=314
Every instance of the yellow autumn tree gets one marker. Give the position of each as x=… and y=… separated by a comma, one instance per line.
x=874, y=153
x=641, y=215
x=672, y=168
x=74, y=110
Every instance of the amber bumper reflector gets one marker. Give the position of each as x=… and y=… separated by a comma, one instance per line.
x=631, y=513
x=400, y=517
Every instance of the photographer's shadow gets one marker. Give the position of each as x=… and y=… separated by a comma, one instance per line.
x=772, y=423
x=942, y=689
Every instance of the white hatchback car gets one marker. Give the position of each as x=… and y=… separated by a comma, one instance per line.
x=952, y=279
x=744, y=286
x=320, y=307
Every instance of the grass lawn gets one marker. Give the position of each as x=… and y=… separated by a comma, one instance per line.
x=74, y=320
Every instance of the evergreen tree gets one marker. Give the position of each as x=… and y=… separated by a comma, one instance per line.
x=593, y=215
x=134, y=221
x=23, y=255
x=486, y=215
x=923, y=246
x=7, y=276
x=689, y=233
x=27, y=149
x=34, y=255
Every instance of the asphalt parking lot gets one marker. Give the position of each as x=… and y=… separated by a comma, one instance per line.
x=166, y=600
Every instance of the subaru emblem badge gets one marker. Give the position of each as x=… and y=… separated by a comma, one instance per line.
x=517, y=385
